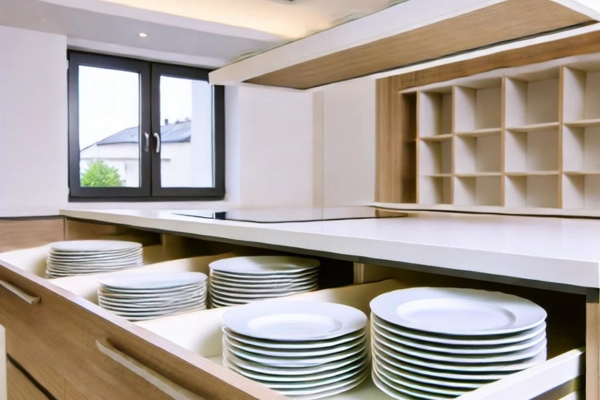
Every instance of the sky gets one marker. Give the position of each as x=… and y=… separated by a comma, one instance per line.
x=109, y=102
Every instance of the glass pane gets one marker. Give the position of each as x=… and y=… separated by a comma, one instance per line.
x=186, y=158
x=109, y=127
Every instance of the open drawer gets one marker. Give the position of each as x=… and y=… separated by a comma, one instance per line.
x=561, y=376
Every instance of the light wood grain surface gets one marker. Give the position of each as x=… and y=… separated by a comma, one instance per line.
x=23, y=233
x=20, y=387
x=508, y=20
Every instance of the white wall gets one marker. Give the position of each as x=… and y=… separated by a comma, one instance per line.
x=275, y=147
x=33, y=119
x=349, y=118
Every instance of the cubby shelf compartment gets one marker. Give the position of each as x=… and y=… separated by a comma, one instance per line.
x=478, y=154
x=581, y=191
x=532, y=151
x=532, y=191
x=532, y=100
x=434, y=113
x=435, y=190
x=479, y=107
x=582, y=94
x=581, y=149
x=478, y=191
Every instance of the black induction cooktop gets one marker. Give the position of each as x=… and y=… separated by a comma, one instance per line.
x=272, y=216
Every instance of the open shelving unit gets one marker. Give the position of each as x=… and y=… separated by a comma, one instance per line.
x=521, y=139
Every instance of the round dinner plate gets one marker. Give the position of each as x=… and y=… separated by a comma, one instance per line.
x=250, y=287
x=493, y=340
x=440, y=374
x=271, y=344
x=296, y=378
x=284, y=362
x=517, y=365
x=459, y=349
x=153, y=304
x=257, y=279
x=235, y=294
x=326, y=391
x=294, y=321
x=153, y=294
x=461, y=358
x=450, y=311
x=293, y=353
x=153, y=281
x=460, y=384
x=406, y=383
x=294, y=372
x=264, y=265
x=401, y=393
x=85, y=246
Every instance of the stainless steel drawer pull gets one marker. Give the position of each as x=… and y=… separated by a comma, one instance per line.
x=15, y=290
x=165, y=385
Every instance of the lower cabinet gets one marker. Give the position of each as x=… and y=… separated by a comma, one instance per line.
x=20, y=387
x=76, y=350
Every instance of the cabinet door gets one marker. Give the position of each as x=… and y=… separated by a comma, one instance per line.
x=20, y=387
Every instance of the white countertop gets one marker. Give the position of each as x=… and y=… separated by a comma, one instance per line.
x=553, y=250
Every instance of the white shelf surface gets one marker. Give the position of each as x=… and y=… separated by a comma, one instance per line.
x=543, y=249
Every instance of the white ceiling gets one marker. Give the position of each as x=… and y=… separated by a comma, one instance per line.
x=199, y=32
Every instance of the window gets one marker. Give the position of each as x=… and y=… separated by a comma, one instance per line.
x=143, y=131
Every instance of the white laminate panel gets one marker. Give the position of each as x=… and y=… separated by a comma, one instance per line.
x=544, y=249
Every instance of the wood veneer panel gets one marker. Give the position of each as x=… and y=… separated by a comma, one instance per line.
x=36, y=366
x=588, y=43
x=65, y=328
x=396, y=144
x=20, y=387
x=509, y=20
x=23, y=233
x=592, y=364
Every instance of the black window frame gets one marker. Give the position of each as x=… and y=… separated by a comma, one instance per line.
x=150, y=189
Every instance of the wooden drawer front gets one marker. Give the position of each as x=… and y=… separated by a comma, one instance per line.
x=66, y=330
x=20, y=234
x=20, y=387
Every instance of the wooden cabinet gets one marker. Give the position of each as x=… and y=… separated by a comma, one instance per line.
x=20, y=387
x=72, y=349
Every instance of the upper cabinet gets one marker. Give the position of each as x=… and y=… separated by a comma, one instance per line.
x=408, y=33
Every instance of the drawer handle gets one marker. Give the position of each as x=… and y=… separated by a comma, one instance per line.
x=15, y=290
x=165, y=385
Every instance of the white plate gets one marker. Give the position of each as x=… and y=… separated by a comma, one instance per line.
x=233, y=294
x=442, y=374
x=264, y=265
x=270, y=284
x=253, y=288
x=460, y=349
x=154, y=281
x=268, y=344
x=265, y=279
x=325, y=391
x=394, y=393
x=293, y=362
x=293, y=353
x=140, y=295
x=293, y=372
x=461, y=367
x=84, y=246
x=459, y=340
x=70, y=259
x=317, y=381
x=399, y=382
x=296, y=378
x=460, y=384
x=152, y=305
x=294, y=321
x=154, y=309
x=451, y=311
x=461, y=358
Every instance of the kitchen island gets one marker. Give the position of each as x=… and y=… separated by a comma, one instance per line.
x=551, y=261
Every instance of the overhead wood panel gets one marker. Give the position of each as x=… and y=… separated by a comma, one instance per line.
x=509, y=20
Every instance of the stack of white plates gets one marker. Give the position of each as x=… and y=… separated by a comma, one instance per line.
x=241, y=280
x=432, y=344
x=303, y=350
x=80, y=257
x=139, y=297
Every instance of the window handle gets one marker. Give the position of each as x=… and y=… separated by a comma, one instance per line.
x=147, y=135
x=157, y=137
